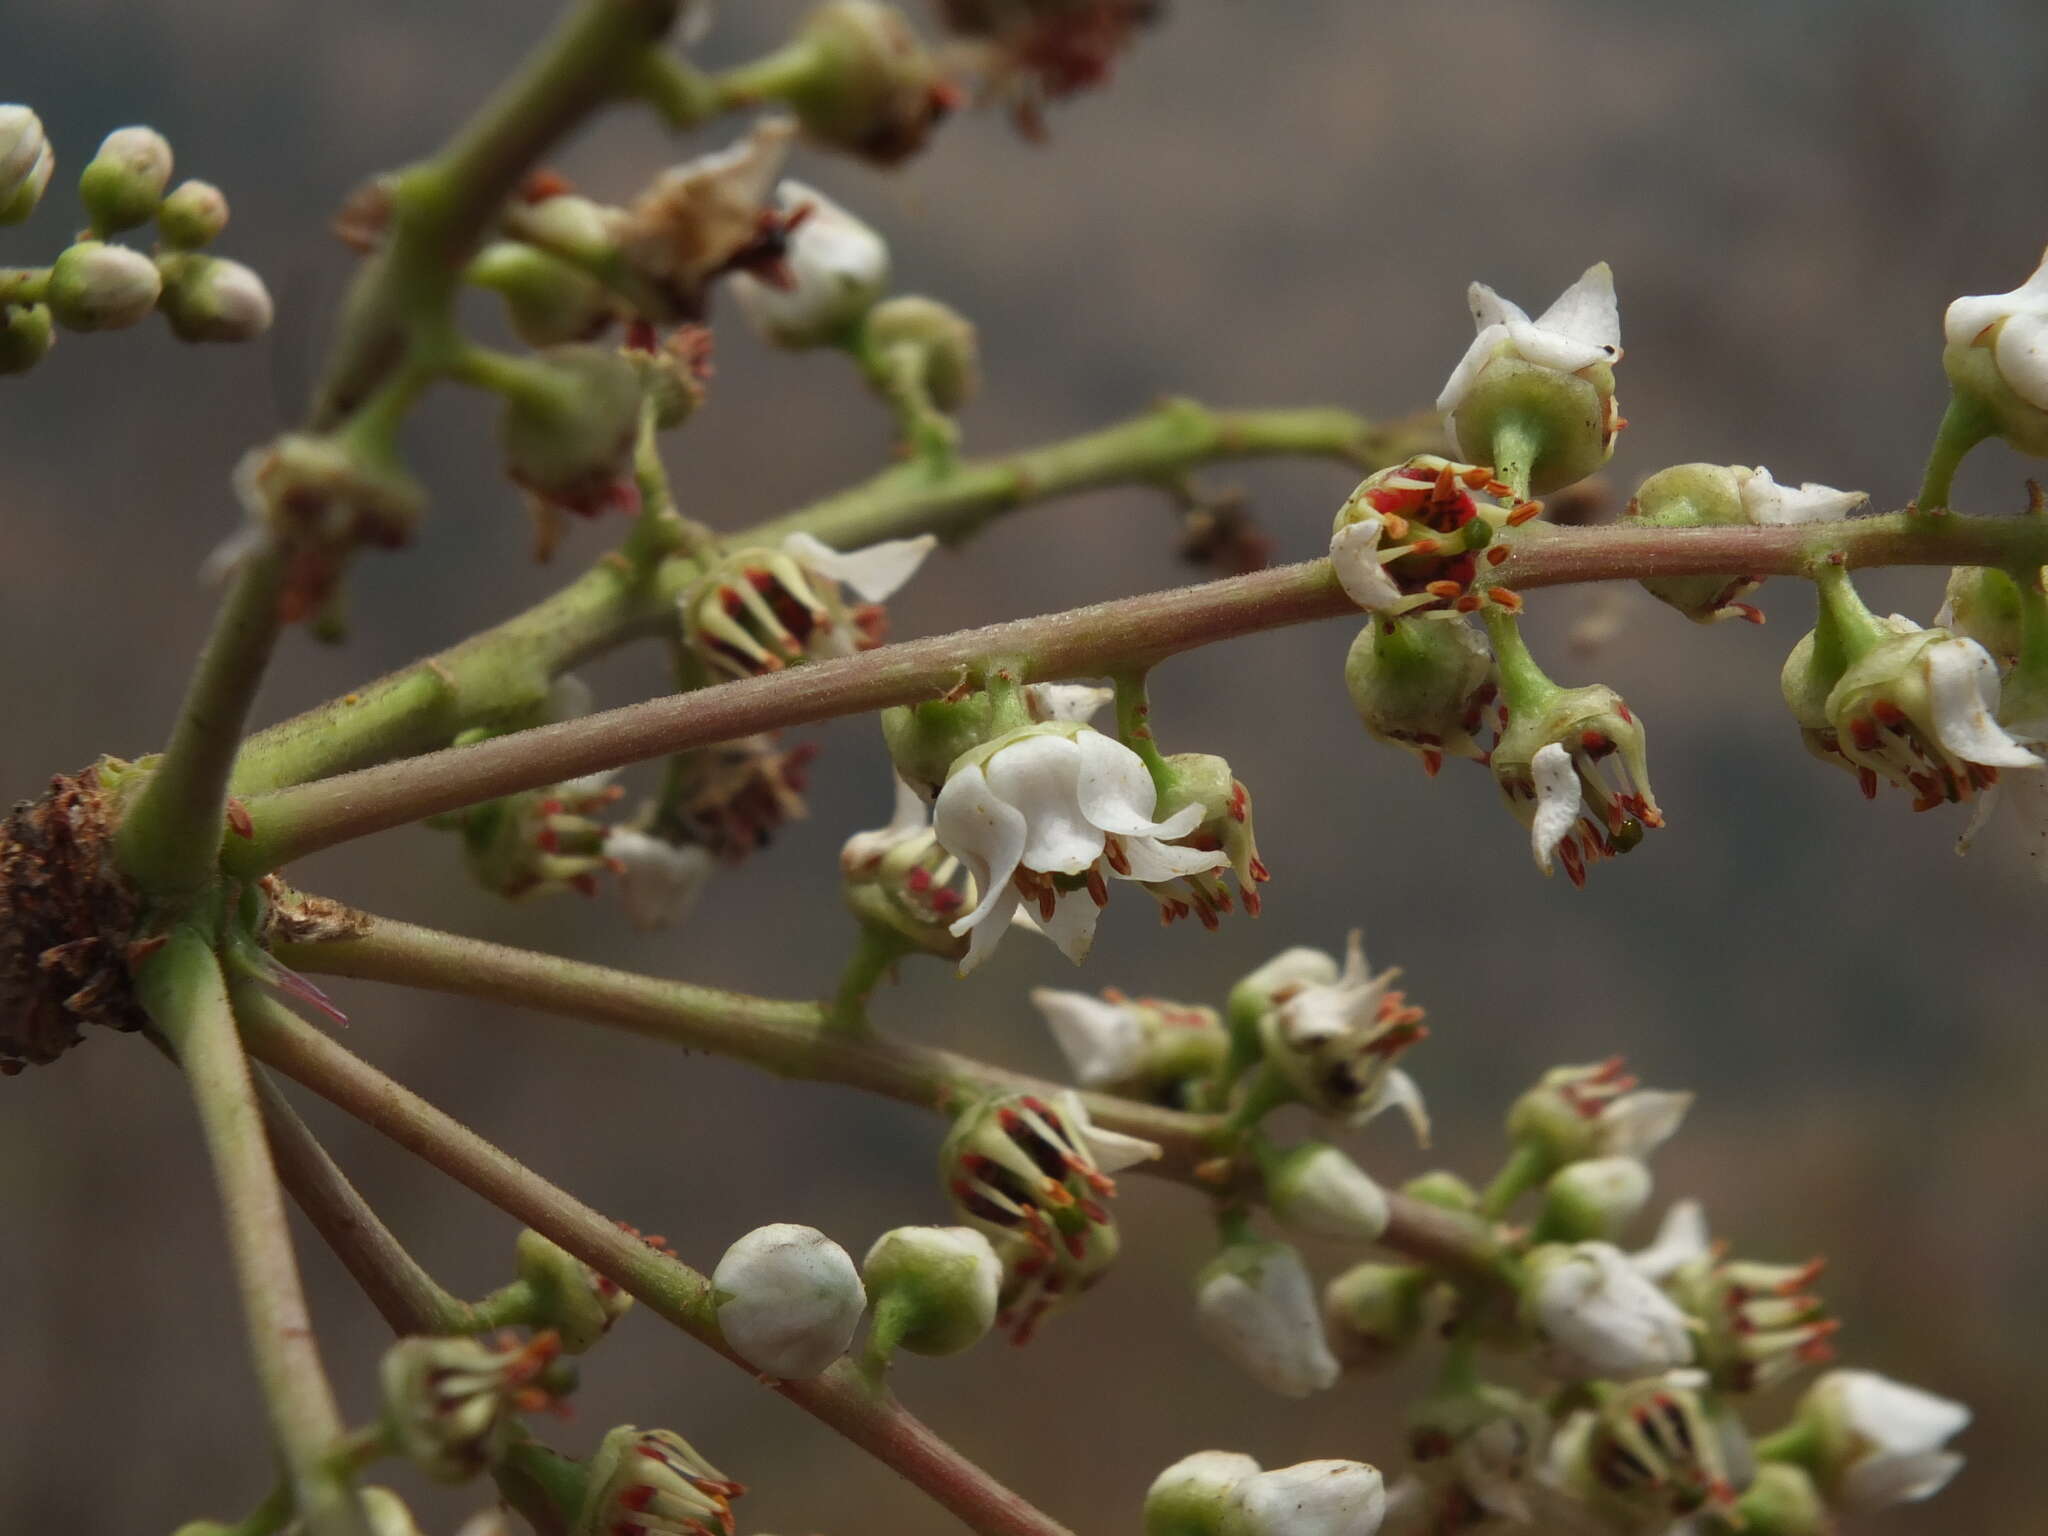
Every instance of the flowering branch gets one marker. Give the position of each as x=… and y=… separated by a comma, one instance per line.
x=501, y=676
x=841, y=1397
x=797, y=1039
x=1130, y=633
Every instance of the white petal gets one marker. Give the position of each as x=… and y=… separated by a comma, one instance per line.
x=1554, y=349
x=838, y=268
x=1897, y=1417
x=1101, y=1040
x=1587, y=312
x=1115, y=788
x=2022, y=354
x=1486, y=346
x=875, y=571
x=1072, y=925
x=1967, y=318
x=1269, y=1323
x=1878, y=1482
x=1962, y=690
x=1316, y=1498
x=2027, y=795
x=1040, y=776
x=1681, y=1238
x=658, y=881
x=988, y=932
x=1152, y=861
x=1600, y=1319
x=1075, y=703
x=1354, y=553
x=1397, y=1090
x=1356, y=972
x=1636, y=1124
x=1558, y=798
x=1490, y=309
x=1110, y=1151
x=986, y=835
x=1769, y=504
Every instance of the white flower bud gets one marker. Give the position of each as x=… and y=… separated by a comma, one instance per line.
x=1593, y=1199
x=1313, y=1498
x=939, y=339
x=1319, y=1190
x=1257, y=1304
x=1879, y=1441
x=26, y=162
x=934, y=1288
x=96, y=287
x=207, y=298
x=837, y=268
x=1192, y=1497
x=659, y=881
x=789, y=1300
x=1598, y=1319
x=193, y=215
x=125, y=181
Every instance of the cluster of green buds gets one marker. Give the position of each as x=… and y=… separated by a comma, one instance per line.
x=652, y=1482
x=97, y=284
x=445, y=1399
x=1034, y=1176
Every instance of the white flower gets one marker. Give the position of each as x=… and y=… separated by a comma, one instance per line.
x=2021, y=347
x=1319, y=1190
x=908, y=821
x=837, y=268
x=1312, y=1498
x=760, y=609
x=1884, y=1442
x=875, y=571
x=1597, y=1111
x=789, y=1300
x=1582, y=328
x=1109, y=1151
x=1102, y=1040
x=1682, y=1238
x=659, y=881
x=1770, y=504
x=1920, y=708
x=1598, y=1318
x=1334, y=1037
x=1558, y=801
x=1355, y=556
x=1257, y=1304
x=1056, y=799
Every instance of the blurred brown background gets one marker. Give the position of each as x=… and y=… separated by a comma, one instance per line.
x=1279, y=203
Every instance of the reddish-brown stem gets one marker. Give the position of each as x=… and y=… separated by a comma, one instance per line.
x=842, y=1398
x=1131, y=633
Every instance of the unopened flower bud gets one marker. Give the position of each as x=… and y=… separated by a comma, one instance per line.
x=1205, y=780
x=26, y=335
x=1783, y=1501
x=26, y=162
x=1192, y=1497
x=569, y=1297
x=833, y=270
x=1982, y=603
x=193, y=215
x=444, y=1398
x=934, y=1289
x=99, y=287
x=652, y=1482
x=925, y=740
x=1596, y=1198
x=1317, y=1189
x=572, y=228
x=872, y=89
x=1651, y=1453
x=1373, y=1312
x=1717, y=495
x=548, y=301
x=1597, y=1318
x=789, y=1300
x=569, y=428
x=1535, y=399
x=1996, y=358
x=1423, y=684
x=1142, y=1045
x=1871, y=1442
x=207, y=298
x=935, y=339
x=125, y=181
x=1333, y=1044
x=1034, y=1176
x=1311, y=1498
x=1443, y=1189
x=760, y=609
x=1597, y=1111
x=659, y=881
x=1256, y=1302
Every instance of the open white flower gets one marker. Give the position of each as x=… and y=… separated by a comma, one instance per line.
x=1769, y=504
x=1056, y=800
x=1920, y=709
x=760, y=609
x=1582, y=328
x=1882, y=1442
x=2016, y=327
x=1600, y=1319
x=836, y=268
x=1335, y=1034
x=659, y=881
x=1580, y=1112
x=1256, y=1302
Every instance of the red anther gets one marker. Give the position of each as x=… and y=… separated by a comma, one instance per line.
x=1240, y=801
x=1095, y=1213
x=1497, y=554
x=1888, y=713
x=1259, y=870
x=1469, y=603
x=946, y=901
x=1009, y=1120
x=641, y=336
x=543, y=184
x=1574, y=864
x=551, y=807
x=1523, y=512
x=1444, y=589
x=1048, y=902
x=1180, y=908
x=1476, y=477
x=1098, y=888
x=1596, y=742
x=919, y=879
x=1113, y=851
x=1446, y=483
x=1254, y=903
x=1749, y=612
x=584, y=885
x=1424, y=547
x=548, y=840
x=1395, y=527
x=1077, y=1244
x=1863, y=732
x=1206, y=914
x=1431, y=762
x=1866, y=780
x=1503, y=598
x=1385, y=499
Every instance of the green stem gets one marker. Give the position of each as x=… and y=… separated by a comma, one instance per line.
x=782, y=75
x=790, y=1040
x=543, y=1485
x=23, y=285
x=271, y=1515
x=1524, y=686
x=1527, y=1166
x=875, y=953
x=1517, y=445
x=841, y=1397
x=169, y=840
x=1964, y=425
x=1844, y=627
x=892, y=1316
x=1798, y=1442
x=684, y=96
x=186, y=995
x=1134, y=727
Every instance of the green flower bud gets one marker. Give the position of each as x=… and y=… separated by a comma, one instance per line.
x=1715, y=496
x=193, y=215
x=938, y=338
x=1444, y=1189
x=98, y=287
x=569, y=426
x=1782, y=1501
x=1318, y=1190
x=871, y=88
x=1193, y=1496
x=26, y=161
x=126, y=179
x=570, y=1297
x=1596, y=1198
x=651, y=1482
x=207, y=298
x=1983, y=604
x=934, y=1289
x=583, y=233
x=1373, y=1313
x=1423, y=684
x=444, y=1399
x=925, y=739
x=547, y=301
x=26, y=336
